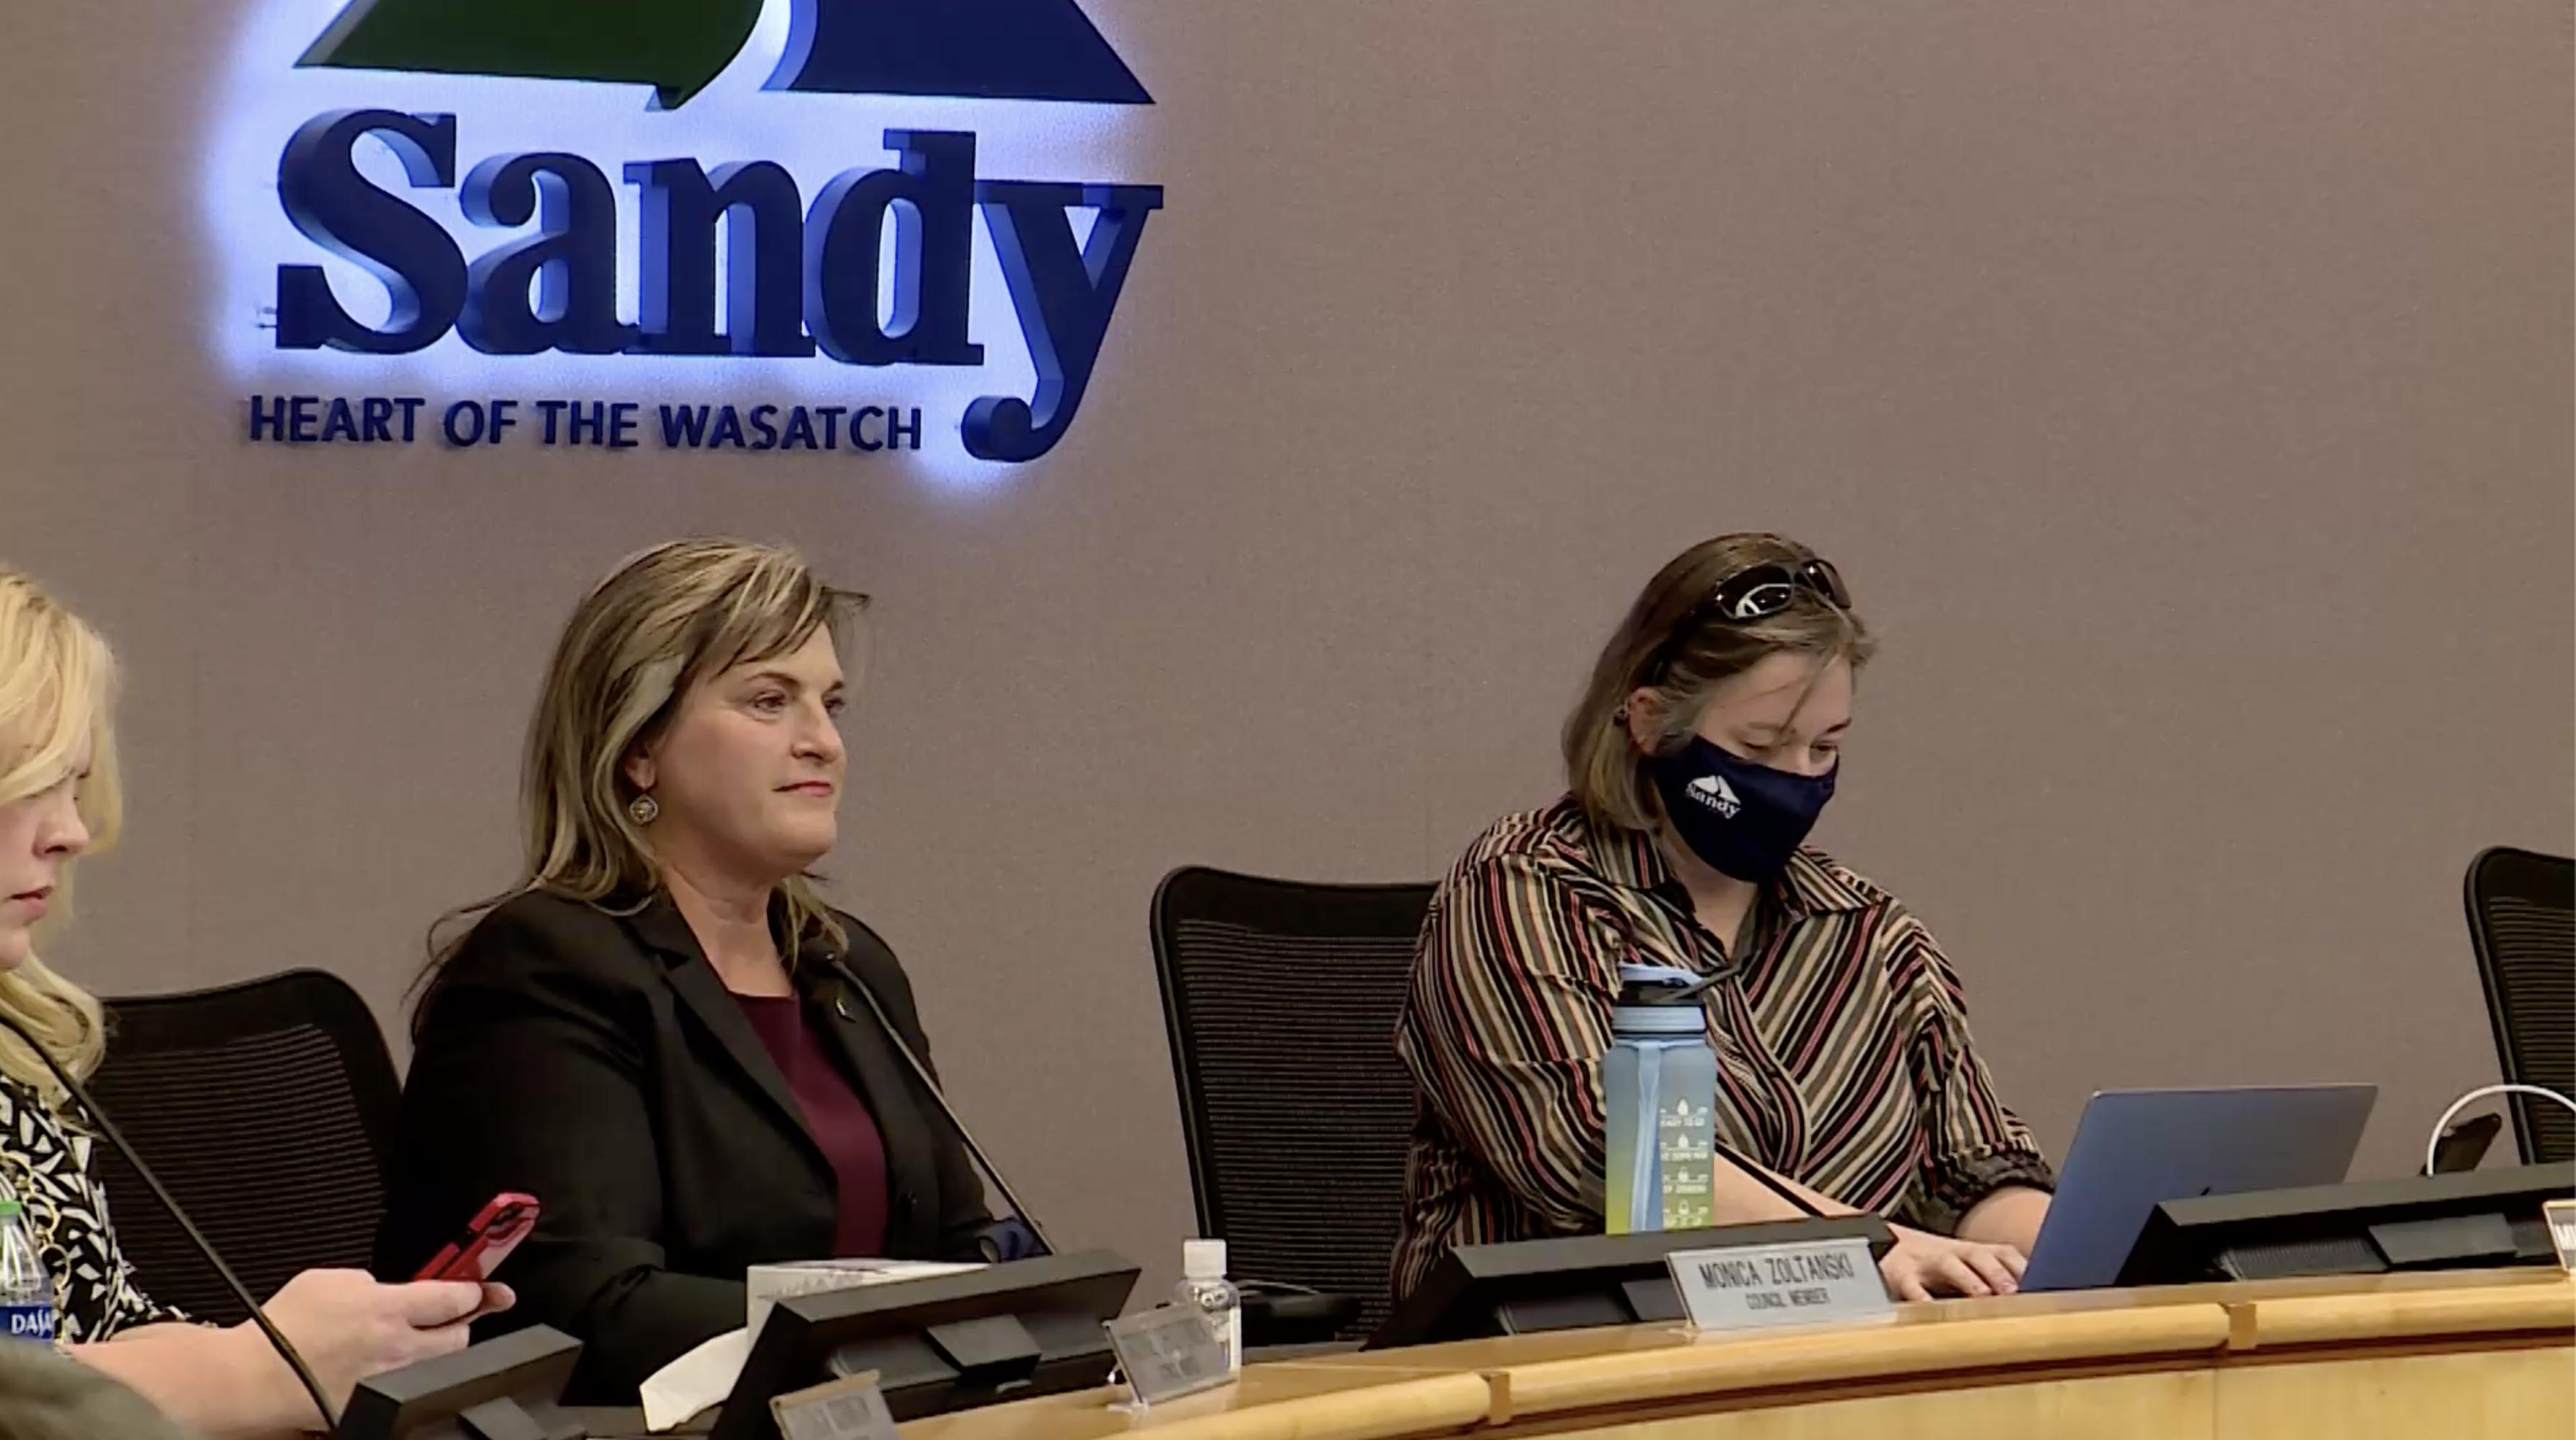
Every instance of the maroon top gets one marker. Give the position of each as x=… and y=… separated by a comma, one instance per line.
x=838, y=1118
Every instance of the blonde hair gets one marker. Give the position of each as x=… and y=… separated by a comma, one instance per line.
x=57, y=686
x=1675, y=646
x=664, y=620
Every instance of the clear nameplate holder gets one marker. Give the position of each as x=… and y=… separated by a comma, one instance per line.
x=2561, y=1215
x=1168, y=1352
x=846, y=1409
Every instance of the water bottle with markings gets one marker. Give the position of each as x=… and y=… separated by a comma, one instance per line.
x=1659, y=1084
x=26, y=1291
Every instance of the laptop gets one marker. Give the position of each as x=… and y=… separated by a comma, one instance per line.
x=2136, y=1149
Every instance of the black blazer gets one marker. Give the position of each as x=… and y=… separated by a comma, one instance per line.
x=596, y=1062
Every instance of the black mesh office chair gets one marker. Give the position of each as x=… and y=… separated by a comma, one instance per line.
x=1282, y=1000
x=2522, y=921
x=268, y=1109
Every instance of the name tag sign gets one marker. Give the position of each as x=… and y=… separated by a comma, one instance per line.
x=848, y=1409
x=2561, y=1215
x=1740, y=1286
x=1168, y=1352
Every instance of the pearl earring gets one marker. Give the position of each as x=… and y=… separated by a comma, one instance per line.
x=644, y=809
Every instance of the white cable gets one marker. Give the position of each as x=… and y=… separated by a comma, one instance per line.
x=2473, y=1097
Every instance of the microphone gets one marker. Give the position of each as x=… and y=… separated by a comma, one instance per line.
x=921, y=1072
x=151, y=1182
x=1754, y=1168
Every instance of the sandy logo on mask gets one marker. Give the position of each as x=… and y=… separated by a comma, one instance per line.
x=1713, y=792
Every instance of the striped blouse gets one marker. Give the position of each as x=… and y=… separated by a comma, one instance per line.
x=1842, y=1039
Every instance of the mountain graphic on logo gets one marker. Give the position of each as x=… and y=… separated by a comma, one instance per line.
x=1713, y=792
x=976, y=49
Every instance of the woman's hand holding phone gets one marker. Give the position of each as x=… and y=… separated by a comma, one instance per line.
x=349, y=1326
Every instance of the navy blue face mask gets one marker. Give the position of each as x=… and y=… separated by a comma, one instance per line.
x=1744, y=819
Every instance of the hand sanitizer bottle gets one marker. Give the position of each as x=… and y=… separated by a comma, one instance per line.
x=1204, y=1286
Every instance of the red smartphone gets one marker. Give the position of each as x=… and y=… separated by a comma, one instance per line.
x=496, y=1230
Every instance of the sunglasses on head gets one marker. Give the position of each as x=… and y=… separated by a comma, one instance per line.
x=1758, y=592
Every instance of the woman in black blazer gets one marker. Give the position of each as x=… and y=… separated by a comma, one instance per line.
x=652, y=1034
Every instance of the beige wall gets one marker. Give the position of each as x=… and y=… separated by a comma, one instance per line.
x=2185, y=388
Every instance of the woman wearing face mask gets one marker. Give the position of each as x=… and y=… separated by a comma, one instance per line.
x=1704, y=748
x=652, y=1033
x=58, y=801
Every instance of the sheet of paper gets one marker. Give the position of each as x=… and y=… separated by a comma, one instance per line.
x=766, y=1285
x=703, y=1377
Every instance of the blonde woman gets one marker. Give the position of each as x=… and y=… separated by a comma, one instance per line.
x=1706, y=745
x=58, y=800
x=652, y=1034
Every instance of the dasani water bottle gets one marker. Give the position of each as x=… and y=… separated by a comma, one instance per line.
x=26, y=1291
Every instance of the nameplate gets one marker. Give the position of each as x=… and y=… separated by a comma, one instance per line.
x=1739, y=1286
x=1168, y=1352
x=847, y=1409
x=2561, y=1215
